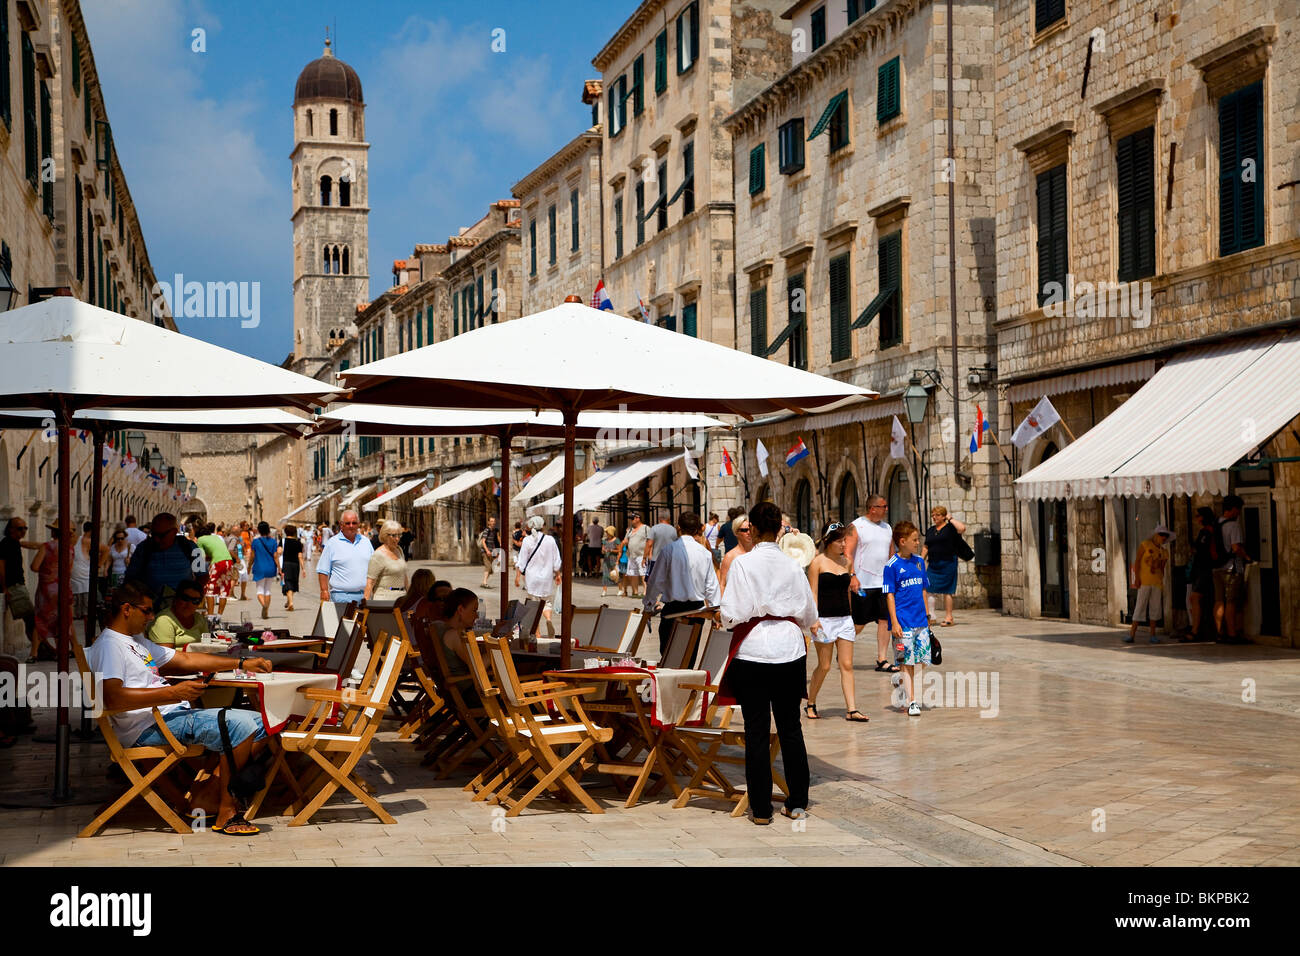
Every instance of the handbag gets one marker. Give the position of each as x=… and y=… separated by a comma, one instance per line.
x=613, y=575
x=936, y=651
x=962, y=549
x=19, y=600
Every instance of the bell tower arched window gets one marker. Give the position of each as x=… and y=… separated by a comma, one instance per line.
x=309, y=123
x=327, y=260
x=334, y=122
x=345, y=192
x=337, y=269
x=347, y=266
x=325, y=186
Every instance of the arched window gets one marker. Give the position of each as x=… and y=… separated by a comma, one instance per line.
x=334, y=122
x=803, y=517
x=309, y=124
x=325, y=185
x=848, y=498
x=899, y=497
x=337, y=268
x=327, y=260
x=347, y=266
x=345, y=192
x=356, y=126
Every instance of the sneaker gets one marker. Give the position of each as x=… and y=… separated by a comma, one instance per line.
x=1128, y=639
x=914, y=709
x=1154, y=639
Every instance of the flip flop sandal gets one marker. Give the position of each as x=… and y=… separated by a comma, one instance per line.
x=860, y=719
x=813, y=707
x=238, y=826
x=891, y=669
x=762, y=821
x=797, y=814
x=947, y=623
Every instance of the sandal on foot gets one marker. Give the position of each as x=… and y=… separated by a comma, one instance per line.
x=238, y=826
x=810, y=706
x=762, y=821
x=947, y=623
x=861, y=718
x=891, y=669
x=798, y=813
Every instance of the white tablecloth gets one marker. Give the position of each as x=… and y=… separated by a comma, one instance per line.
x=280, y=695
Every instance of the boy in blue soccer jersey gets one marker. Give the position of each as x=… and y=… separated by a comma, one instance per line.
x=905, y=584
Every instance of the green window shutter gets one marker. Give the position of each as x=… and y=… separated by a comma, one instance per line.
x=688, y=37
x=797, y=311
x=532, y=247
x=495, y=296
x=889, y=260
x=6, y=93
x=1135, y=194
x=428, y=323
x=573, y=221
x=853, y=12
x=47, y=151
x=455, y=314
x=661, y=61
x=1047, y=12
x=790, y=146
x=612, y=125
x=1052, y=231
x=480, y=313
x=550, y=220
x=622, y=102
x=695, y=30
x=757, y=170
x=888, y=99
x=1241, y=203
x=841, y=341
x=31, y=154
x=758, y=321
x=419, y=332
x=638, y=85
x=818, y=28
x=689, y=322
x=668, y=322
x=618, y=227
x=640, y=212
x=827, y=114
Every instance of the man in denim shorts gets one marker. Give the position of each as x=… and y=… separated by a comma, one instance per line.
x=130, y=668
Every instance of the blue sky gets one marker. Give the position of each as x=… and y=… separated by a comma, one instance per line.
x=204, y=138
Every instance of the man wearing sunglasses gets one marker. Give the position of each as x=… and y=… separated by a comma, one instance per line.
x=165, y=559
x=870, y=544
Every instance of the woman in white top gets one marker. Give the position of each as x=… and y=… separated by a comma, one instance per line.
x=81, y=565
x=120, y=550
x=386, y=573
x=768, y=604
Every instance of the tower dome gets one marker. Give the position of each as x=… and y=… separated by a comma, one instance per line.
x=328, y=78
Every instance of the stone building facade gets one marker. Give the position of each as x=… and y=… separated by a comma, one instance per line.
x=1134, y=183
x=68, y=221
x=842, y=256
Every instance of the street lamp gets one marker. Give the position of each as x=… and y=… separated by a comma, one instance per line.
x=579, y=457
x=135, y=444
x=194, y=488
x=8, y=292
x=180, y=478
x=496, y=468
x=916, y=399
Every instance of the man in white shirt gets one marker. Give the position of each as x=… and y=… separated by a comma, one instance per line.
x=538, y=565
x=134, y=536
x=130, y=667
x=768, y=604
x=344, y=561
x=870, y=542
x=682, y=576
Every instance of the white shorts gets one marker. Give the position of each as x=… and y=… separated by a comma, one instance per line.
x=635, y=567
x=548, y=602
x=834, y=629
x=1150, y=604
x=264, y=585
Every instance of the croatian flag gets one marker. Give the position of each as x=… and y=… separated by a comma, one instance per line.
x=974, y=445
x=600, y=298
x=727, y=468
x=496, y=487
x=797, y=453
x=980, y=426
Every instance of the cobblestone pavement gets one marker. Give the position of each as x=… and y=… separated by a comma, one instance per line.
x=1099, y=753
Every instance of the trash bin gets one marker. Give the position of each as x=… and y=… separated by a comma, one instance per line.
x=988, y=548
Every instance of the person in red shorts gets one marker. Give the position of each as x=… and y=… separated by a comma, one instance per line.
x=220, y=566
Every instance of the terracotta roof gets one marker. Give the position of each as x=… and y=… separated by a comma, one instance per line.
x=398, y=290
x=362, y=306
x=506, y=204
x=399, y=264
x=591, y=90
x=327, y=78
x=430, y=247
x=515, y=224
x=462, y=242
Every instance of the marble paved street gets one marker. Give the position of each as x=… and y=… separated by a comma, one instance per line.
x=1093, y=753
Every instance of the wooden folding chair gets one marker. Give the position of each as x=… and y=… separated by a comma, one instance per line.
x=327, y=620
x=633, y=631
x=451, y=742
x=585, y=620
x=607, y=633
x=143, y=784
x=682, y=639
x=337, y=751
x=533, y=734
x=702, y=746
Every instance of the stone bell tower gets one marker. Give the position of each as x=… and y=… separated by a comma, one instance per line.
x=331, y=257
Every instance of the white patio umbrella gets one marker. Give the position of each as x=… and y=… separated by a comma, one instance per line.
x=66, y=356
x=374, y=420
x=574, y=358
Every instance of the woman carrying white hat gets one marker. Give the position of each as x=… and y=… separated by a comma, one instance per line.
x=829, y=575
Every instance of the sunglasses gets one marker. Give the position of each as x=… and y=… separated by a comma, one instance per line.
x=834, y=526
x=146, y=611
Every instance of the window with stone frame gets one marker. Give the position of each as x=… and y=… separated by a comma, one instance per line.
x=618, y=226
x=1136, y=204
x=757, y=169
x=797, y=316
x=638, y=86
x=841, y=315
x=690, y=320
x=1241, y=187
x=640, y=212
x=688, y=37
x=1053, y=233
x=818, y=28
x=790, y=151
x=334, y=122
x=661, y=61
x=758, y=320
x=573, y=221
x=532, y=246
x=889, y=97
x=889, y=263
x=551, y=223
x=326, y=187
x=1047, y=12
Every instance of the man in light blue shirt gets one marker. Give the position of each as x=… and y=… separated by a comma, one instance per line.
x=344, y=559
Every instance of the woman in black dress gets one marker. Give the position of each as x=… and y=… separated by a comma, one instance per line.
x=290, y=564
x=942, y=543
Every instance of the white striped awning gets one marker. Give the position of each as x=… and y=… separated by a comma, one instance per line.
x=453, y=486
x=1139, y=371
x=608, y=482
x=1180, y=432
x=845, y=412
x=548, y=477
x=387, y=496
x=354, y=495
x=301, y=508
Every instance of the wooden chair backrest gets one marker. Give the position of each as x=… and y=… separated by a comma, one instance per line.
x=483, y=680
x=680, y=651
x=346, y=646
x=503, y=666
x=329, y=616
x=394, y=652
x=713, y=658
x=381, y=620
x=530, y=614
x=632, y=632
x=611, y=628
x=585, y=621
x=115, y=746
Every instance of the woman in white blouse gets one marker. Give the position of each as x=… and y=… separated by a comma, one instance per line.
x=768, y=604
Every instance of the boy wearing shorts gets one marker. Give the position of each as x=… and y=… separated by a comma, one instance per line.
x=904, y=587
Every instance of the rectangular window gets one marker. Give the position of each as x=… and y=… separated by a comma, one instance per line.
x=1136, y=194
x=819, y=28
x=841, y=340
x=622, y=102
x=890, y=265
x=640, y=212
x=758, y=321
x=797, y=315
x=1052, y=233
x=638, y=85
x=853, y=11
x=81, y=229
x=618, y=227
x=689, y=322
x=888, y=99
x=668, y=322
x=421, y=445
x=480, y=312
x=401, y=337
x=428, y=324
x=688, y=37
x=1241, y=200
x=790, y=146
x=419, y=331
x=834, y=121
x=757, y=170
x=532, y=247
x=661, y=62
x=661, y=221
x=550, y=219
x=6, y=93
x=1047, y=12
x=496, y=296
x=688, y=179
x=47, y=156
x=31, y=152
x=573, y=221
x=455, y=313
x=76, y=63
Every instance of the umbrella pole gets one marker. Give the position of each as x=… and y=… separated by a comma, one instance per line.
x=96, y=519
x=566, y=535
x=503, y=522
x=62, y=740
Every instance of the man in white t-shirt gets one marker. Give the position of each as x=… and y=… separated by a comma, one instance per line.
x=870, y=541
x=134, y=536
x=129, y=668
